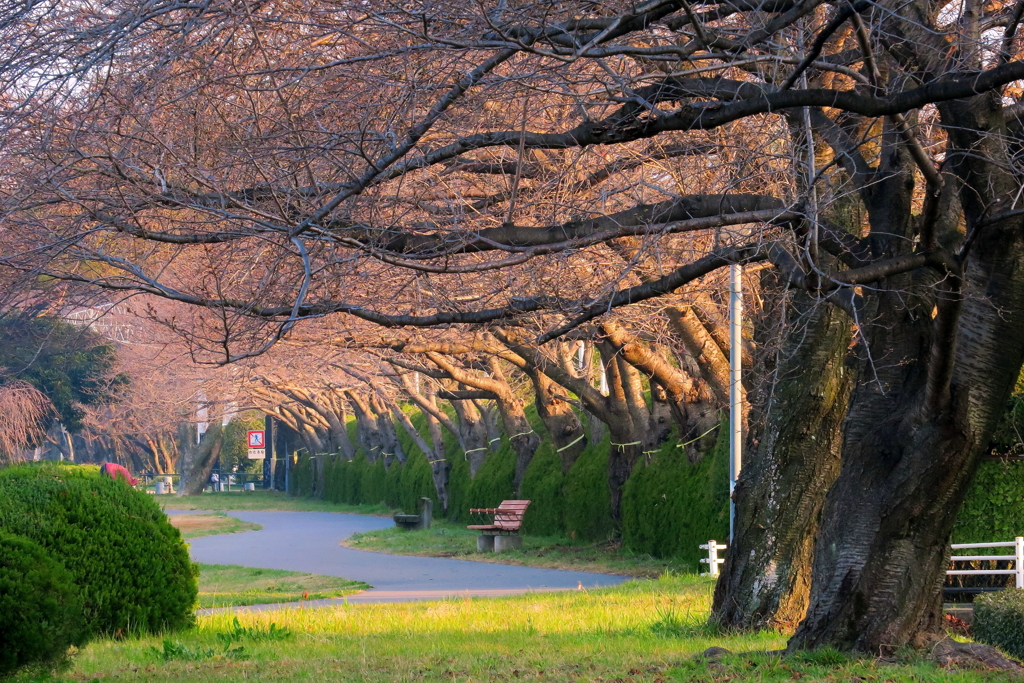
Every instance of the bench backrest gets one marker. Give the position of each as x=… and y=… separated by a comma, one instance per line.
x=509, y=515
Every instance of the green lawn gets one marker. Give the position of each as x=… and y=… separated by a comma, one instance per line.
x=264, y=500
x=222, y=585
x=444, y=539
x=640, y=632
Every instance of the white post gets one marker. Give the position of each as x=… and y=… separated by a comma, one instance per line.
x=735, y=386
x=712, y=560
x=1018, y=563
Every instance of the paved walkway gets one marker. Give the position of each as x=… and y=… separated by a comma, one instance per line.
x=309, y=542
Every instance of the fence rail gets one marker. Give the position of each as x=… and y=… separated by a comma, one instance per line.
x=713, y=560
x=1017, y=558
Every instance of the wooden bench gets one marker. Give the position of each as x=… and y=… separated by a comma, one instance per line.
x=503, y=531
x=420, y=521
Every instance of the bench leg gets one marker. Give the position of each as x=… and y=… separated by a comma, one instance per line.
x=484, y=543
x=502, y=543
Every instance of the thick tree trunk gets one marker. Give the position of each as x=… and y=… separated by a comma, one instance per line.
x=367, y=429
x=440, y=468
x=942, y=364
x=473, y=433
x=561, y=421
x=630, y=424
x=392, y=447
x=203, y=459
x=765, y=582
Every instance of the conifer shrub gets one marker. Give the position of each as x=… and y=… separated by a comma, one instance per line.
x=999, y=620
x=412, y=481
x=588, y=514
x=372, y=489
x=130, y=564
x=301, y=477
x=458, y=486
x=40, y=607
x=493, y=481
x=672, y=506
x=543, y=484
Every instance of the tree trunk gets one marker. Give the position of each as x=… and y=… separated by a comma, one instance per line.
x=765, y=581
x=629, y=425
x=203, y=459
x=440, y=468
x=367, y=429
x=391, y=447
x=474, y=434
x=562, y=423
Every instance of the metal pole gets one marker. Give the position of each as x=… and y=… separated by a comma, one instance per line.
x=735, y=386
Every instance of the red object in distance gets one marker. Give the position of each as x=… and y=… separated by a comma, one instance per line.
x=115, y=471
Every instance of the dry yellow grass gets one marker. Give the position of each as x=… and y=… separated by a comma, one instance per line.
x=194, y=526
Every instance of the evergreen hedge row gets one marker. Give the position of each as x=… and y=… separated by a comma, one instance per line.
x=670, y=507
x=994, y=508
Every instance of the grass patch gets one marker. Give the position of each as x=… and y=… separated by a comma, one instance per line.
x=196, y=526
x=224, y=585
x=639, y=632
x=444, y=539
x=265, y=500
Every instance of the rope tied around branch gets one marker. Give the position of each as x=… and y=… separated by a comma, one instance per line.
x=682, y=445
x=578, y=439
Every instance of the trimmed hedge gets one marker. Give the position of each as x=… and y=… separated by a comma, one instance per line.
x=40, y=607
x=130, y=564
x=994, y=508
x=999, y=620
x=670, y=507
x=673, y=505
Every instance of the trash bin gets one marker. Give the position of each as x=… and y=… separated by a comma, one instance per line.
x=161, y=488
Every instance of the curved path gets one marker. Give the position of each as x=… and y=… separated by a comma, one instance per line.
x=309, y=542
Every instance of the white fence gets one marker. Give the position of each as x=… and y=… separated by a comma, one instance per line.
x=1017, y=558
x=713, y=560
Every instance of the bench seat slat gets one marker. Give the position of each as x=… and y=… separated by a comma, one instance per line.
x=508, y=517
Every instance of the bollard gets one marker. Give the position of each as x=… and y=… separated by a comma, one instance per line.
x=250, y=486
x=169, y=484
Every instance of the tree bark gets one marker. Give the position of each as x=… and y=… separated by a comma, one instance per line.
x=562, y=423
x=203, y=459
x=474, y=434
x=765, y=581
x=941, y=368
x=367, y=429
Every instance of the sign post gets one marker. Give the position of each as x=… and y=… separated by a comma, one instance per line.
x=268, y=462
x=257, y=444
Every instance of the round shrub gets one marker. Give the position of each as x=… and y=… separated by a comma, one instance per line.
x=40, y=607
x=130, y=564
x=999, y=620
